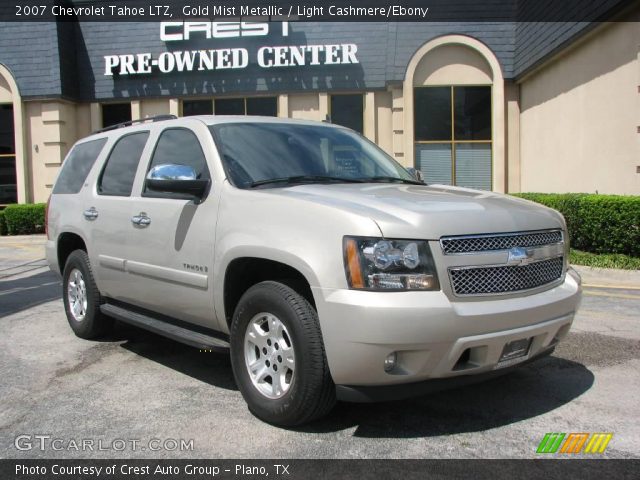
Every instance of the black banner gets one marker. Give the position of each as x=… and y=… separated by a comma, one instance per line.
x=315, y=469
x=316, y=11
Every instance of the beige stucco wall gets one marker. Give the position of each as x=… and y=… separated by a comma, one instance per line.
x=5, y=91
x=512, y=135
x=83, y=120
x=52, y=127
x=305, y=106
x=580, y=116
x=51, y=132
x=149, y=108
x=384, y=121
x=452, y=64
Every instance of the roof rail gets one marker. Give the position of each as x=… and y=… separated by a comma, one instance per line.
x=157, y=118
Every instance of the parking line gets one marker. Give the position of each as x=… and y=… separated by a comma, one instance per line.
x=613, y=295
x=614, y=287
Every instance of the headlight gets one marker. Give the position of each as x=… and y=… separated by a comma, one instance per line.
x=383, y=264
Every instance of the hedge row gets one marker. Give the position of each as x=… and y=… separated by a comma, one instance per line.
x=23, y=219
x=597, y=223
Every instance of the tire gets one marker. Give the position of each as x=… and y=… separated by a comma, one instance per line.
x=82, y=298
x=302, y=390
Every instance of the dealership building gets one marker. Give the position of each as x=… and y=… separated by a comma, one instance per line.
x=505, y=106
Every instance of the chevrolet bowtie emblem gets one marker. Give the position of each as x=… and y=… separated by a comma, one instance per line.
x=520, y=256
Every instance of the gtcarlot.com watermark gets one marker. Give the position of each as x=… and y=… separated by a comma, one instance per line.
x=45, y=442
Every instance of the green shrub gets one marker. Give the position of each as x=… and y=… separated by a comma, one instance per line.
x=3, y=224
x=23, y=219
x=597, y=223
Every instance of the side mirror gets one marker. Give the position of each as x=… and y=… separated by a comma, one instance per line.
x=415, y=173
x=181, y=179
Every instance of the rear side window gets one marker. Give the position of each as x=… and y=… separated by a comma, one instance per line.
x=179, y=146
x=120, y=170
x=77, y=166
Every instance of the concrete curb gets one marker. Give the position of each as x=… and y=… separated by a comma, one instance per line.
x=22, y=239
x=608, y=277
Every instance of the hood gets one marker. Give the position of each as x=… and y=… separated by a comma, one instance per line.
x=429, y=212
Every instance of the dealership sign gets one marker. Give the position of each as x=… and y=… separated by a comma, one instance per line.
x=227, y=58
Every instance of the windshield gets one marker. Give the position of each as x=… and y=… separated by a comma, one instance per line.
x=272, y=154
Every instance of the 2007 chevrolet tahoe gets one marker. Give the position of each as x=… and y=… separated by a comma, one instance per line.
x=327, y=269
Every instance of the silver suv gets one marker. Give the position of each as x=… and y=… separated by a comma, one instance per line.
x=325, y=268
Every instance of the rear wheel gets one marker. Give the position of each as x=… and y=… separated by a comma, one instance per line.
x=82, y=298
x=278, y=358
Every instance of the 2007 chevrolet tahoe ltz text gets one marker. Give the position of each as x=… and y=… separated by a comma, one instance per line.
x=326, y=269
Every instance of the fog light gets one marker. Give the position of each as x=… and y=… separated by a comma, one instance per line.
x=390, y=362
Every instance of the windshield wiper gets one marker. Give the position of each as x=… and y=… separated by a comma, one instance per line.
x=304, y=179
x=392, y=179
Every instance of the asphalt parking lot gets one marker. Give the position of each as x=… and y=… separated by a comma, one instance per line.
x=136, y=387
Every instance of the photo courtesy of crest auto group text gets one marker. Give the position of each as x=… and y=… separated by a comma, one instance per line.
x=340, y=239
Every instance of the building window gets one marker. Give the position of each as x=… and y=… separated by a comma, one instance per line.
x=230, y=106
x=263, y=106
x=8, y=183
x=114, y=113
x=197, y=107
x=453, y=135
x=348, y=111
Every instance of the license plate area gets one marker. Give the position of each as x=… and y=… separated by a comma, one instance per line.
x=514, y=352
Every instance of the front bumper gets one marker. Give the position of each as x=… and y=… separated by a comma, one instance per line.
x=432, y=336
x=385, y=393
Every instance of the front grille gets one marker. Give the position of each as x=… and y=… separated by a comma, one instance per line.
x=487, y=243
x=505, y=279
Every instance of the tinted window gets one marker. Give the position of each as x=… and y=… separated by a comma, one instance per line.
x=77, y=165
x=472, y=113
x=7, y=138
x=197, y=107
x=348, y=111
x=120, y=170
x=180, y=146
x=229, y=106
x=265, y=106
x=432, y=113
x=114, y=113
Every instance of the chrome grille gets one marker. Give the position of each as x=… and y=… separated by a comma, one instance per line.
x=487, y=243
x=504, y=279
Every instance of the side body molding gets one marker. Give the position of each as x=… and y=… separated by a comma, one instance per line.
x=154, y=271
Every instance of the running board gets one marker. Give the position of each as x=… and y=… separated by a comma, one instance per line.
x=174, y=332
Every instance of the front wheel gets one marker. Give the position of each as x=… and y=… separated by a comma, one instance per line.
x=82, y=298
x=278, y=358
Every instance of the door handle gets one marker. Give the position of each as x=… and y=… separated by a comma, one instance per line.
x=91, y=213
x=141, y=220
